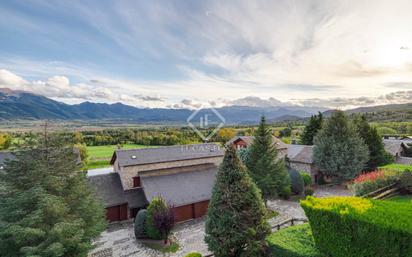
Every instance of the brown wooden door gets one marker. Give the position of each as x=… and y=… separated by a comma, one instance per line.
x=116, y=213
x=183, y=213
x=136, y=182
x=200, y=209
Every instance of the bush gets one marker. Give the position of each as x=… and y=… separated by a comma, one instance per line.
x=309, y=191
x=159, y=219
x=140, y=223
x=405, y=182
x=296, y=241
x=307, y=178
x=372, y=181
x=193, y=255
x=358, y=227
x=296, y=182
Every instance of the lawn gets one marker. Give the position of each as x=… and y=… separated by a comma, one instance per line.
x=296, y=241
x=99, y=156
x=396, y=166
x=401, y=199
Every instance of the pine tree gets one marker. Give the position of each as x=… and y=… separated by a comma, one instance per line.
x=310, y=131
x=46, y=207
x=267, y=171
x=236, y=223
x=371, y=137
x=339, y=150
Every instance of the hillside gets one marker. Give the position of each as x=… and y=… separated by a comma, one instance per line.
x=28, y=106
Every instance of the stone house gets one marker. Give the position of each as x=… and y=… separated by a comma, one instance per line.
x=183, y=175
x=245, y=141
x=300, y=158
x=397, y=148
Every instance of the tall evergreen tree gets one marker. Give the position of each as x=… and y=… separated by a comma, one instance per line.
x=310, y=131
x=266, y=169
x=46, y=207
x=236, y=223
x=339, y=150
x=377, y=154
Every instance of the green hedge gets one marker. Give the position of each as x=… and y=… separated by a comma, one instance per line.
x=358, y=227
x=296, y=241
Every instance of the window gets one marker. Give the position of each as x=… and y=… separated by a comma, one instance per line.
x=136, y=182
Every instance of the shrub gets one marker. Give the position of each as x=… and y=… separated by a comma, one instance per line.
x=193, y=255
x=309, y=191
x=159, y=219
x=405, y=181
x=296, y=182
x=358, y=227
x=307, y=178
x=139, y=224
x=372, y=181
x=296, y=241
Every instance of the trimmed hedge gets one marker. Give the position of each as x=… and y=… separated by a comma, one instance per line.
x=307, y=179
x=140, y=224
x=296, y=241
x=358, y=227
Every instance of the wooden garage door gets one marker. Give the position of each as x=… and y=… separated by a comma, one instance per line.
x=116, y=213
x=200, y=208
x=183, y=213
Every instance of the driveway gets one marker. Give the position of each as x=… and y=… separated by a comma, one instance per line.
x=119, y=241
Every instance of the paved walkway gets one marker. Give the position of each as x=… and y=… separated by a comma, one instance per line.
x=119, y=241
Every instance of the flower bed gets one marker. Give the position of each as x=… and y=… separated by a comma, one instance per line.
x=372, y=181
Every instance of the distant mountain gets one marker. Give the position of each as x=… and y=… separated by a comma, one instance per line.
x=25, y=105
x=390, y=112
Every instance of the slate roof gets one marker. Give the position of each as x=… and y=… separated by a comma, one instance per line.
x=109, y=189
x=166, y=154
x=249, y=139
x=395, y=146
x=181, y=188
x=300, y=153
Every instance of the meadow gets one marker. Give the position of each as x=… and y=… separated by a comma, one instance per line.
x=99, y=156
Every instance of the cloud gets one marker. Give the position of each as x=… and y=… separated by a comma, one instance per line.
x=150, y=98
x=399, y=85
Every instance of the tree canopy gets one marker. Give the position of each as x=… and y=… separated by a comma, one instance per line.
x=236, y=220
x=266, y=169
x=339, y=150
x=46, y=206
x=310, y=131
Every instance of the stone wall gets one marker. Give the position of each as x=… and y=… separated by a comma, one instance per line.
x=305, y=167
x=127, y=173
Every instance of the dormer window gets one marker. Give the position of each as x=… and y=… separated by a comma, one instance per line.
x=134, y=157
x=1, y=167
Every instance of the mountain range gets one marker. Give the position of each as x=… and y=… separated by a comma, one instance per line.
x=28, y=106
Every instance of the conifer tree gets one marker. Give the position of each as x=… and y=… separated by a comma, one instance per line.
x=236, y=223
x=339, y=150
x=377, y=154
x=266, y=169
x=46, y=207
x=310, y=131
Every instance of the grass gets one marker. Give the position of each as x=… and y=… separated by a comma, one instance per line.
x=99, y=156
x=396, y=166
x=401, y=199
x=272, y=214
x=171, y=248
x=296, y=241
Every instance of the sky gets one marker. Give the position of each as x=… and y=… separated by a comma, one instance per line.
x=181, y=54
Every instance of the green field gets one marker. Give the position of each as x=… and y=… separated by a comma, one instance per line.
x=395, y=166
x=99, y=156
x=401, y=199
